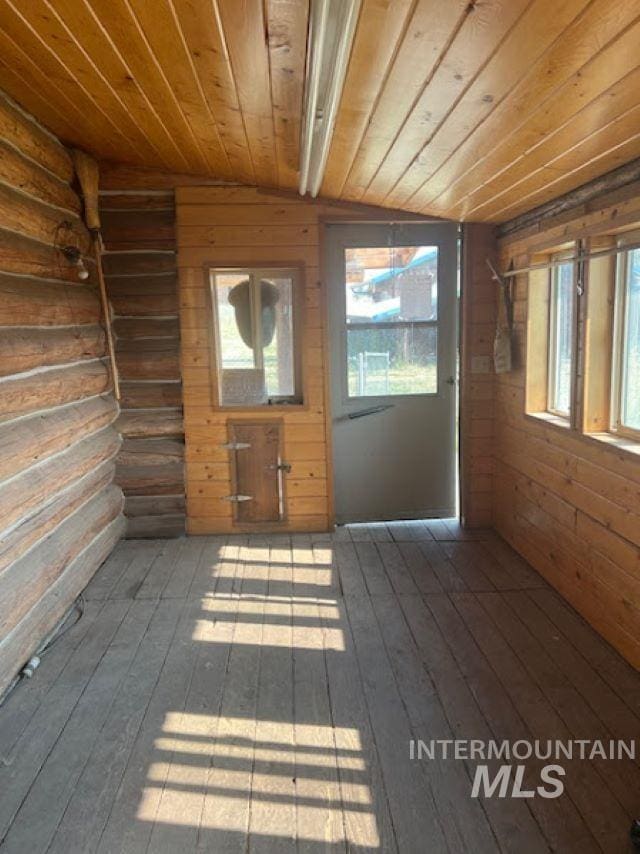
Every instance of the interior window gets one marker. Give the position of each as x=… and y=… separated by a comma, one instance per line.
x=254, y=323
x=561, y=330
x=627, y=338
x=392, y=320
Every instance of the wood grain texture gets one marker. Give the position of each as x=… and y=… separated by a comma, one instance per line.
x=205, y=427
x=142, y=287
x=206, y=666
x=475, y=111
x=61, y=513
x=478, y=322
x=570, y=503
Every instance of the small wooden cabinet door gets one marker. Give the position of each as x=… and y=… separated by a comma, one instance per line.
x=256, y=470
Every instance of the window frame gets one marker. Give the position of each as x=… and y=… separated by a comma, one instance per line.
x=618, y=344
x=557, y=260
x=255, y=273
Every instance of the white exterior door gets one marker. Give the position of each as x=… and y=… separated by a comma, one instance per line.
x=392, y=319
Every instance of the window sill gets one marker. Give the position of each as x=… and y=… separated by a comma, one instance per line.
x=607, y=440
x=550, y=418
x=618, y=443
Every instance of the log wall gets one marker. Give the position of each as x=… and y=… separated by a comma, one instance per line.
x=60, y=513
x=568, y=502
x=141, y=278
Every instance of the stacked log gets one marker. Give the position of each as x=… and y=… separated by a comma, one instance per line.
x=141, y=275
x=60, y=513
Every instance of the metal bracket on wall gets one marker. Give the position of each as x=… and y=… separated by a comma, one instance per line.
x=236, y=499
x=235, y=446
x=285, y=467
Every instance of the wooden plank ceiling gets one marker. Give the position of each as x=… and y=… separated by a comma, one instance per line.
x=470, y=110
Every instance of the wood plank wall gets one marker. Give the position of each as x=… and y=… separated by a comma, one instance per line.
x=567, y=502
x=141, y=276
x=477, y=325
x=236, y=226
x=60, y=513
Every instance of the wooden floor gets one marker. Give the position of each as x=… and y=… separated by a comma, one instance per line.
x=260, y=693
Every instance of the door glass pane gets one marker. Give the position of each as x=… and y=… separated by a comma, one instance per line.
x=630, y=385
x=390, y=361
x=561, y=338
x=391, y=284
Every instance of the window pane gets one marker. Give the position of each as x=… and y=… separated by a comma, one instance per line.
x=630, y=386
x=279, y=354
x=400, y=360
x=234, y=352
x=254, y=335
x=561, y=339
x=391, y=284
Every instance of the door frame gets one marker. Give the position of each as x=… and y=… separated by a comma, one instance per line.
x=399, y=218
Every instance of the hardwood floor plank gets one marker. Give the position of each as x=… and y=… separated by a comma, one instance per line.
x=192, y=746
x=27, y=697
x=217, y=566
x=111, y=571
x=441, y=567
x=38, y=817
x=367, y=819
x=32, y=748
x=621, y=677
x=261, y=693
x=131, y=580
x=522, y=575
x=128, y=827
x=609, y=707
x=396, y=568
x=372, y=569
x=161, y=570
x=420, y=568
x=463, y=820
x=477, y=566
x=319, y=811
x=360, y=533
x=379, y=532
x=88, y=810
x=224, y=822
x=511, y=819
x=622, y=778
x=410, y=801
x=273, y=784
x=562, y=820
x=180, y=581
x=349, y=573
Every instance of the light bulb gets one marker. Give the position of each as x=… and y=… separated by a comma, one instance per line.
x=83, y=273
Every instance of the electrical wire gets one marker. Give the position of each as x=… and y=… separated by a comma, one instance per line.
x=61, y=631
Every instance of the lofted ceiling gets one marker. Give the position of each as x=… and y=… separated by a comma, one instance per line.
x=468, y=110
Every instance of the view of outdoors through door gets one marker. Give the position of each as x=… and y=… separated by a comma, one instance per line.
x=392, y=298
x=391, y=315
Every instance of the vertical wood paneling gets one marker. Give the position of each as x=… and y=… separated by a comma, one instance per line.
x=478, y=319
